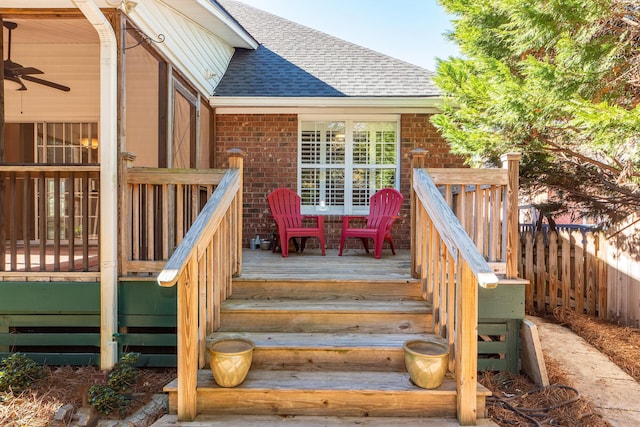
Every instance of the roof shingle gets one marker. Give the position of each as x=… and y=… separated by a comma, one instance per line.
x=297, y=61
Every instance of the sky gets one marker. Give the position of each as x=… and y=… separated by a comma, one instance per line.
x=411, y=30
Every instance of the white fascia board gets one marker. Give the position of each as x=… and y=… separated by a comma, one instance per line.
x=324, y=102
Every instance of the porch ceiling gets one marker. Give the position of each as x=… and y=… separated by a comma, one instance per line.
x=52, y=31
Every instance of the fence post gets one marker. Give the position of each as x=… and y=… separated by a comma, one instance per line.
x=511, y=162
x=417, y=157
x=236, y=161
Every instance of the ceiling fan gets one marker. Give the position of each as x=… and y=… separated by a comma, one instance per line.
x=16, y=73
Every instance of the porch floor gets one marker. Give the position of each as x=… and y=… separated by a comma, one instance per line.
x=354, y=264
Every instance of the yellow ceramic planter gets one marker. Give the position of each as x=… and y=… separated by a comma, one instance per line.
x=426, y=361
x=230, y=360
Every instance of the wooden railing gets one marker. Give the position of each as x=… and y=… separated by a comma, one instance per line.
x=485, y=201
x=451, y=266
x=50, y=217
x=159, y=206
x=202, y=267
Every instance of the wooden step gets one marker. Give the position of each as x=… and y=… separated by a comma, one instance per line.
x=327, y=393
x=327, y=289
x=207, y=420
x=326, y=316
x=317, y=351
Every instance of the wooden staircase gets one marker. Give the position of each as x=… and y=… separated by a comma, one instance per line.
x=328, y=352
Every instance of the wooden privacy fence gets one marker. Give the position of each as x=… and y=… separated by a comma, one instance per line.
x=565, y=268
x=623, y=272
x=201, y=267
x=587, y=271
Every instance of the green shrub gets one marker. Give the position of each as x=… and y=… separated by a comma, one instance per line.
x=111, y=397
x=18, y=372
x=106, y=400
x=124, y=373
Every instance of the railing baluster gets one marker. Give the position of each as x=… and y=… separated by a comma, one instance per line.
x=85, y=221
x=57, y=221
x=135, y=224
x=26, y=204
x=150, y=222
x=13, y=230
x=165, y=223
x=42, y=209
x=71, y=228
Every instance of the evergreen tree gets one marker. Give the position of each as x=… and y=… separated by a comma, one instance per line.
x=558, y=81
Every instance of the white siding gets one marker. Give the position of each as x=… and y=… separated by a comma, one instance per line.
x=190, y=47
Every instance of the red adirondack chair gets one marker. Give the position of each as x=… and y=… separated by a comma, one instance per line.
x=285, y=208
x=384, y=208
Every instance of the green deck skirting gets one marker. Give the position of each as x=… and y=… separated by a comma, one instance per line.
x=65, y=317
x=60, y=315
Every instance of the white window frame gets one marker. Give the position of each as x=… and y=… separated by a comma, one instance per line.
x=349, y=121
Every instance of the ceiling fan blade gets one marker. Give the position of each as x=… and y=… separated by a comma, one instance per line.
x=47, y=83
x=26, y=70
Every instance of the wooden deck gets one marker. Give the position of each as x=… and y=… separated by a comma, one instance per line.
x=354, y=264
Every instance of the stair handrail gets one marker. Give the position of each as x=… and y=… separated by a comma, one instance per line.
x=202, y=267
x=451, y=269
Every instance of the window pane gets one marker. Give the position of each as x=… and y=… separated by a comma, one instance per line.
x=310, y=147
x=361, y=191
x=322, y=184
x=322, y=143
x=374, y=143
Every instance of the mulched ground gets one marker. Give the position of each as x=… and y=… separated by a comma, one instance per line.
x=37, y=406
x=517, y=401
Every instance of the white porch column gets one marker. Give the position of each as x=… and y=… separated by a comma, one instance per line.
x=108, y=182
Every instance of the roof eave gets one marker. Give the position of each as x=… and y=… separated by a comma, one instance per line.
x=325, y=102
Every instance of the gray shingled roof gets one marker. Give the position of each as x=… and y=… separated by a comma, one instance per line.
x=297, y=61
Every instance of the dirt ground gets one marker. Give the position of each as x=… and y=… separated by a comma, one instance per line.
x=516, y=400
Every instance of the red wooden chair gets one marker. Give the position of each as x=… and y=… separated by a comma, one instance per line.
x=384, y=208
x=285, y=208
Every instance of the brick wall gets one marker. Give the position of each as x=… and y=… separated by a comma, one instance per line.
x=271, y=142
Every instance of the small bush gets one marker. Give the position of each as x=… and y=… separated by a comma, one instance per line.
x=111, y=398
x=124, y=373
x=107, y=401
x=18, y=372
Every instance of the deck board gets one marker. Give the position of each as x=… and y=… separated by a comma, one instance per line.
x=311, y=265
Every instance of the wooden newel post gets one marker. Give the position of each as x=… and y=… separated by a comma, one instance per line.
x=511, y=162
x=236, y=161
x=417, y=156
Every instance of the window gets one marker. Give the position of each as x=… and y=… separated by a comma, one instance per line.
x=343, y=162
